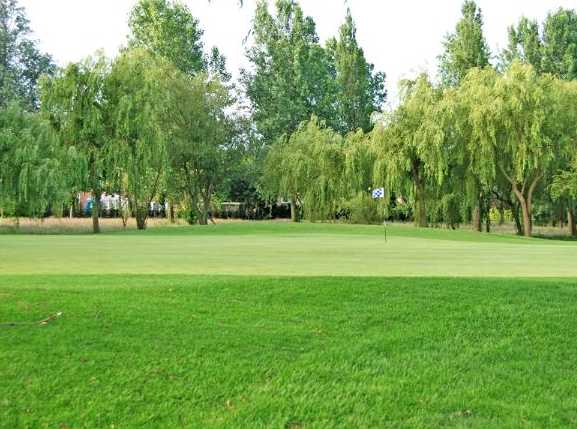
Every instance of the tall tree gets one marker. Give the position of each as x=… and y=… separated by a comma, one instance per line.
x=75, y=104
x=518, y=129
x=198, y=145
x=168, y=29
x=306, y=169
x=21, y=61
x=525, y=45
x=409, y=146
x=32, y=165
x=360, y=91
x=560, y=44
x=290, y=80
x=466, y=48
x=137, y=93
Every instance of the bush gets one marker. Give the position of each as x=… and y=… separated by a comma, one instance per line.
x=363, y=209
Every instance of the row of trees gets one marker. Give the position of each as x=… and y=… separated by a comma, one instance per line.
x=163, y=121
x=496, y=140
x=485, y=137
x=146, y=125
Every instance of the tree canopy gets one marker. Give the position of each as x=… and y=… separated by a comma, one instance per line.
x=21, y=61
x=489, y=138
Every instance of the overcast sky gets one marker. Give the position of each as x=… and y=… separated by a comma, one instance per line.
x=402, y=37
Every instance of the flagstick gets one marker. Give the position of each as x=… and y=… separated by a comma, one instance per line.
x=385, y=224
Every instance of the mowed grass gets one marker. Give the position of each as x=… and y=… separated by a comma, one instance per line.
x=193, y=351
x=317, y=326
x=285, y=249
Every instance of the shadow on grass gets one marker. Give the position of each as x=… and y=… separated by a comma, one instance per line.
x=555, y=237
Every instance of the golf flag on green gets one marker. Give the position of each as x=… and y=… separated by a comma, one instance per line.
x=378, y=193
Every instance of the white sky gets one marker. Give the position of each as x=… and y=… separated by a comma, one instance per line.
x=402, y=37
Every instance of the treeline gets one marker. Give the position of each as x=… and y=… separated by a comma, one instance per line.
x=163, y=121
x=491, y=138
x=484, y=143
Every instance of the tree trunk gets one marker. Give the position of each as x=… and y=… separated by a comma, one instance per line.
x=294, y=210
x=420, y=204
x=421, y=218
x=487, y=222
x=95, y=212
x=525, y=204
x=193, y=215
x=525, y=198
x=477, y=218
x=571, y=221
x=561, y=215
x=141, y=217
x=527, y=224
x=203, y=218
x=501, y=215
x=171, y=211
x=517, y=219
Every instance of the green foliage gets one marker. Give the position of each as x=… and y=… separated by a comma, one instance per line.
x=466, y=48
x=291, y=79
x=136, y=91
x=525, y=44
x=168, y=29
x=305, y=169
x=21, y=62
x=560, y=44
x=74, y=102
x=363, y=209
x=360, y=91
x=409, y=145
x=202, y=132
x=553, y=50
x=519, y=128
x=32, y=164
x=565, y=183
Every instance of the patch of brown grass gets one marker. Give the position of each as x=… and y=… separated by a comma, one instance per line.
x=65, y=225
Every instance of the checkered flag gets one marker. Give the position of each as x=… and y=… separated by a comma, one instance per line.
x=378, y=193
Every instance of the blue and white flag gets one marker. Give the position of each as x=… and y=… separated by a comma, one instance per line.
x=378, y=193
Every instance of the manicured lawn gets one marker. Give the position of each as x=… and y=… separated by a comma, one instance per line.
x=388, y=334
x=284, y=249
x=180, y=351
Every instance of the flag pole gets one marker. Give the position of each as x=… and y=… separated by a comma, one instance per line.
x=385, y=224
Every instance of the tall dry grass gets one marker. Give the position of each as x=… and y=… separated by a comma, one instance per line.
x=63, y=225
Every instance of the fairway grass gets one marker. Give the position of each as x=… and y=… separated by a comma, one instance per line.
x=284, y=249
x=193, y=351
x=287, y=326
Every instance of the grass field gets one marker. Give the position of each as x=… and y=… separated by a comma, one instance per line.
x=314, y=326
x=285, y=249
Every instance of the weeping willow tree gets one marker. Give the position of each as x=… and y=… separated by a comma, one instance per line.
x=359, y=161
x=75, y=104
x=306, y=168
x=137, y=91
x=33, y=165
x=518, y=129
x=564, y=184
x=359, y=179
x=409, y=146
